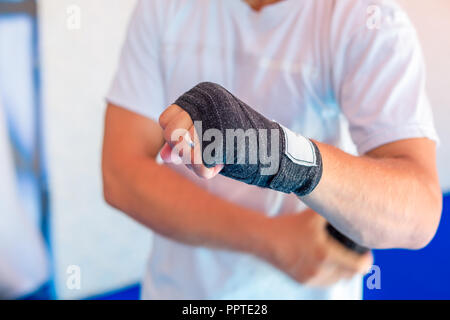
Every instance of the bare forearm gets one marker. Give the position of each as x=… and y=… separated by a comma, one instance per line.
x=173, y=206
x=380, y=203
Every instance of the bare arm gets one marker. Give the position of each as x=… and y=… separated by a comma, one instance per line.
x=386, y=199
x=173, y=206
x=162, y=199
x=389, y=198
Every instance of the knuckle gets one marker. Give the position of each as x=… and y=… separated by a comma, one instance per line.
x=174, y=132
x=354, y=268
x=185, y=116
x=203, y=172
x=309, y=274
x=302, y=278
x=364, y=267
x=194, y=135
x=322, y=254
x=163, y=118
x=352, y=271
x=361, y=266
x=168, y=114
x=345, y=274
x=175, y=109
x=168, y=134
x=200, y=174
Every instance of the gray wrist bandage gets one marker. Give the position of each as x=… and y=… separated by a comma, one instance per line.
x=253, y=149
x=250, y=144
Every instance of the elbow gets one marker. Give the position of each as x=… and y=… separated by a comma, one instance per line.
x=108, y=195
x=427, y=222
x=110, y=184
x=107, y=190
x=415, y=230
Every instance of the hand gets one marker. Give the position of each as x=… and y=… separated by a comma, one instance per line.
x=182, y=143
x=300, y=246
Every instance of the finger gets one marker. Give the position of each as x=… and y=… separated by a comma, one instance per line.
x=177, y=128
x=338, y=274
x=348, y=259
x=217, y=169
x=367, y=263
x=170, y=155
x=196, y=147
x=205, y=172
x=166, y=153
x=166, y=117
x=328, y=276
x=196, y=157
x=187, y=149
x=348, y=275
x=189, y=152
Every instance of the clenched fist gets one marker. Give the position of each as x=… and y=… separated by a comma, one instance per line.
x=182, y=143
x=300, y=246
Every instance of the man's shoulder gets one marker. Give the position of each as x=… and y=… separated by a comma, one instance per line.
x=361, y=4
x=351, y=17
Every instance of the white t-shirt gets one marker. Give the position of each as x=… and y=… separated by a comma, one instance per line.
x=338, y=71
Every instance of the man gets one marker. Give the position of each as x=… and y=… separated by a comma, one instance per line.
x=316, y=67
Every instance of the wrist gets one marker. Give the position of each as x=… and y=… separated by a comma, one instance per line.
x=261, y=238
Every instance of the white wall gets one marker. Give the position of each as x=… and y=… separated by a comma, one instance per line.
x=78, y=66
x=432, y=19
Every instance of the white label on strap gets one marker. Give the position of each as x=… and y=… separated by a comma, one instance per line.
x=299, y=149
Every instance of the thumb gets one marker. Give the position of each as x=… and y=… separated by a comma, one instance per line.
x=166, y=154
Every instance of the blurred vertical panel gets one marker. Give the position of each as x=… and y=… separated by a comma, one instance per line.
x=424, y=274
x=19, y=97
x=23, y=265
x=80, y=43
x=432, y=20
x=23, y=258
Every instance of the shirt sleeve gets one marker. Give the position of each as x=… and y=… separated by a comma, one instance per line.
x=138, y=85
x=380, y=79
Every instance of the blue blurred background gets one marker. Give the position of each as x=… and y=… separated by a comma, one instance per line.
x=405, y=274
x=420, y=274
x=48, y=104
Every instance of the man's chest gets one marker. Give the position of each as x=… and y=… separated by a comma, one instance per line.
x=283, y=75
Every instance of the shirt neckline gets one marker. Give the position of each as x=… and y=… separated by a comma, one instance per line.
x=272, y=14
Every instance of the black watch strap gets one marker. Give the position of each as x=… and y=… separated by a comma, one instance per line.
x=350, y=244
